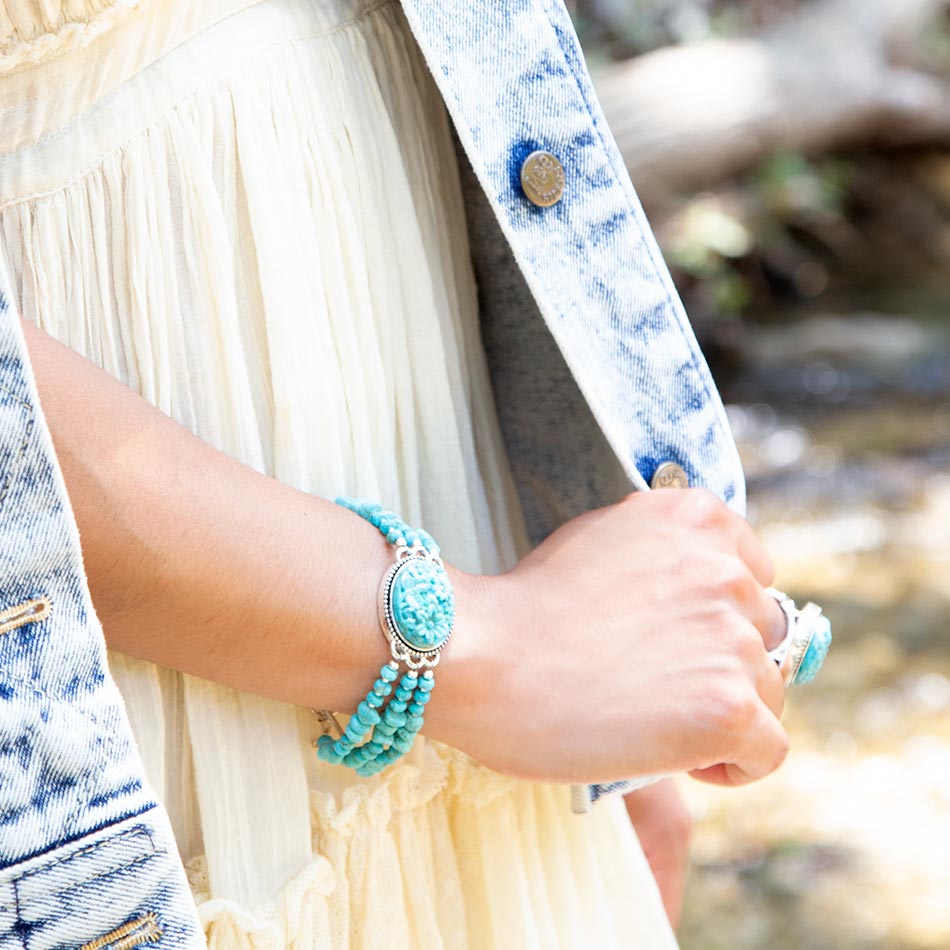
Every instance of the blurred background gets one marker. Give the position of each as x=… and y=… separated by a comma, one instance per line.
x=794, y=159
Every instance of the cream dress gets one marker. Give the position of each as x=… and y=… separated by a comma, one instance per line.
x=249, y=212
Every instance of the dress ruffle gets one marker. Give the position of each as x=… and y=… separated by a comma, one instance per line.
x=31, y=31
x=452, y=855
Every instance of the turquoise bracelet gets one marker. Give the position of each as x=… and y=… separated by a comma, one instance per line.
x=416, y=613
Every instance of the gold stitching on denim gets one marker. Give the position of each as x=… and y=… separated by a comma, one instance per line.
x=144, y=929
x=33, y=611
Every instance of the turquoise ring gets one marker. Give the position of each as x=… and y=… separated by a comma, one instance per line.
x=807, y=640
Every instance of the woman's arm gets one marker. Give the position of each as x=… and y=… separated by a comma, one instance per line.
x=199, y=563
x=629, y=642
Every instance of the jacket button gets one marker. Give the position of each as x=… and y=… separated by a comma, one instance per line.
x=542, y=178
x=669, y=475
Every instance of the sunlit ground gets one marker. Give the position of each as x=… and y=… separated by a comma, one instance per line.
x=848, y=846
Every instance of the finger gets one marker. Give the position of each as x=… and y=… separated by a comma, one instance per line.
x=751, y=551
x=763, y=752
x=771, y=687
x=768, y=618
x=733, y=529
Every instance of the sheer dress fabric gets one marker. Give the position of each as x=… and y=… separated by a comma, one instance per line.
x=250, y=214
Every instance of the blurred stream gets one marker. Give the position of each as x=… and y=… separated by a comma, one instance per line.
x=843, y=421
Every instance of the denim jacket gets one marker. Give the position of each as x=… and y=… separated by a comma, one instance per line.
x=598, y=381
x=87, y=855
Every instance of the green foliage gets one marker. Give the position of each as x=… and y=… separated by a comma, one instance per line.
x=789, y=185
x=779, y=219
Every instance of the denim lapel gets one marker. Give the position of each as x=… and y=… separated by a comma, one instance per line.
x=513, y=78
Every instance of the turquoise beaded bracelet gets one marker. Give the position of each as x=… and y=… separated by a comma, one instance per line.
x=416, y=613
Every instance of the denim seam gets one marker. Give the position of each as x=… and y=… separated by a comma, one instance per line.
x=19, y=919
x=86, y=849
x=141, y=859
x=151, y=804
x=82, y=883
x=27, y=433
x=72, y=822
x=14, y=395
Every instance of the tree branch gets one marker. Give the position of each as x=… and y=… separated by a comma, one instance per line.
x=838, y=73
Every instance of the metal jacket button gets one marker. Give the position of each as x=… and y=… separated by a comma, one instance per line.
x=542, y=178
x=669, y=475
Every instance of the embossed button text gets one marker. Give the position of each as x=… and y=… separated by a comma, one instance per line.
x=542, y=178
x=669, y=475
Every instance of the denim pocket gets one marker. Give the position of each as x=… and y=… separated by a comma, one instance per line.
x=67, y=766
x=116, y=888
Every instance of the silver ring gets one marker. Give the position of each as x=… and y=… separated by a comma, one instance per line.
x=807, y=639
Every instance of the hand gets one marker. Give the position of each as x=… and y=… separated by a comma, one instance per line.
x=664, y=825
x=632, y=641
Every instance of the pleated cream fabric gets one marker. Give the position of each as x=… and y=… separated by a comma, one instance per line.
x=250, y=213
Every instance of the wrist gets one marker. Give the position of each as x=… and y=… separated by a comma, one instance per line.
x=356, y=641
x=420, y=601
x=469, y=669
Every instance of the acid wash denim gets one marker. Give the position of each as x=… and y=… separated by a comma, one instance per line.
x=88, y=860
x=597, y=374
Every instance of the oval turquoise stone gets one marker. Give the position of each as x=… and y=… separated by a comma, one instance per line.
x=816, y=652
x=422, y=604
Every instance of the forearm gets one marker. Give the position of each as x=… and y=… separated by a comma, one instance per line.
x=632, y=641
x=199, y=563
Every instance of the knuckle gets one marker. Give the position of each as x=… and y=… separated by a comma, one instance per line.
x=747, y=643
x=733, y=637
x=782, y=746
x=736, y=711
x=735, y=579
x=701, y=507
x=736, y=639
